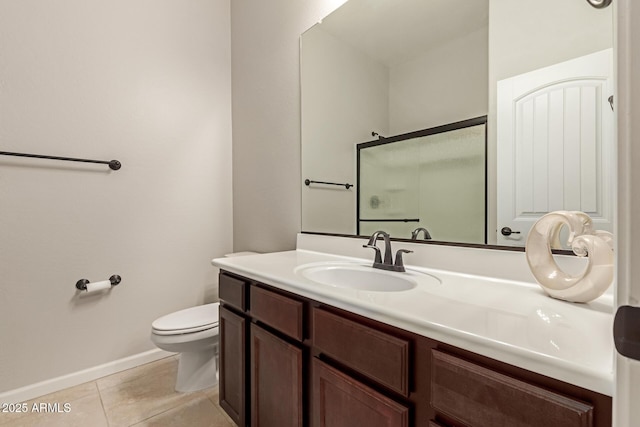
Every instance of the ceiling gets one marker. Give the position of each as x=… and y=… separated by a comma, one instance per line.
x=392, y=31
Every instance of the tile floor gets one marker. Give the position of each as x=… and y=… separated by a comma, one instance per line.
x=141, y=397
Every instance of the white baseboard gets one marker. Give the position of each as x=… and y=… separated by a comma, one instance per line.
x=56, y=384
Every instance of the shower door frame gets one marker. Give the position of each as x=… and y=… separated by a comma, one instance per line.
x=480, y=120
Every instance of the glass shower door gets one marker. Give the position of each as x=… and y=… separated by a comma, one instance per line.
x=434, y=179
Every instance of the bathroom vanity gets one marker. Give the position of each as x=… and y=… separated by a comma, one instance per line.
x=295, y=352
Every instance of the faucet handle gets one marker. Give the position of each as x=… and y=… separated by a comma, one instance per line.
x=399, y=264
x=378, y=257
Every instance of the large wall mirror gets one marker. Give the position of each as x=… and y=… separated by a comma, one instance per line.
x=539, y=71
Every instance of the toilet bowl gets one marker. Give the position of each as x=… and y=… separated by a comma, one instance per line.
x=193, y=333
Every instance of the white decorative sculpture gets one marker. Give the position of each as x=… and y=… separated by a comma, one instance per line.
x=585, y=241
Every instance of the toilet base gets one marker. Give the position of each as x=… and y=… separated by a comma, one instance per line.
x=197, y=370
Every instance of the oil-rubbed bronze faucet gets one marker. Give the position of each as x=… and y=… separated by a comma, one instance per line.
x=388, y=263
x=414, y=233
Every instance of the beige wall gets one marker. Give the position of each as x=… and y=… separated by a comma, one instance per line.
x=147, y=83
x=266, y=119
x=345, y=96
x=444, y=85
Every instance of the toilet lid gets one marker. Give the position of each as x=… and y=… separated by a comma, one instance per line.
x=192, y=319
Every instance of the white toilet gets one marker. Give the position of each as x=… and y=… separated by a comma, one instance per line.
x=193, y=333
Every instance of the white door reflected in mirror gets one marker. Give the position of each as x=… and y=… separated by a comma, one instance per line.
x=555, y=145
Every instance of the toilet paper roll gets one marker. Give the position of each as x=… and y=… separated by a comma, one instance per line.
x=98, y=286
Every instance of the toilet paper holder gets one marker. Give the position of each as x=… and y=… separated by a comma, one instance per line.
x=81, y=284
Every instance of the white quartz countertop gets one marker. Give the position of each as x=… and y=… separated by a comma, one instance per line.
x=510, y=321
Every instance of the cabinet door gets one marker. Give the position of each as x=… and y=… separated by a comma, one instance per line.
x=341, y=401
x=276, y=381
x=233, y=365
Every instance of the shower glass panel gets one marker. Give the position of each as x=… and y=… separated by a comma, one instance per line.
x=434, y=178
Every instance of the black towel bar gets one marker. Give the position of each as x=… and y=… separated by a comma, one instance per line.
x=113, y=164
x=308, y=181
x=391, y=220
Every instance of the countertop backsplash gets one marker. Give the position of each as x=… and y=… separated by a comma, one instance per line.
x=503, y=264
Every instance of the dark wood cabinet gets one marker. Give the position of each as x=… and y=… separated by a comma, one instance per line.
x=282, y=313
x=341, y=401
x=286, y=361
x=477, y=396
x=276, y=381
x=233, y=291
x=262, y=368
x=380, y=356
x=232, y=369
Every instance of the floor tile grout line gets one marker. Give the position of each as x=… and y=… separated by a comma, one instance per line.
x=130, y=369
x=152, y=416
x=196, y=396
x=104, y=410
x=219, y=408
x=47, y=398
x=126, y=381
x=172, y=406
x=224, y=414
x=170, y=409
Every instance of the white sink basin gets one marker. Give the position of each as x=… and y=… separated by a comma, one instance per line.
x=365, y=278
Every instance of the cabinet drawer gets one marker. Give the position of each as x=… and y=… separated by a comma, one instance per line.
x=477, y=396
x=379, y=356
x=278, y=311
x=341, y=401
x=232, y=291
